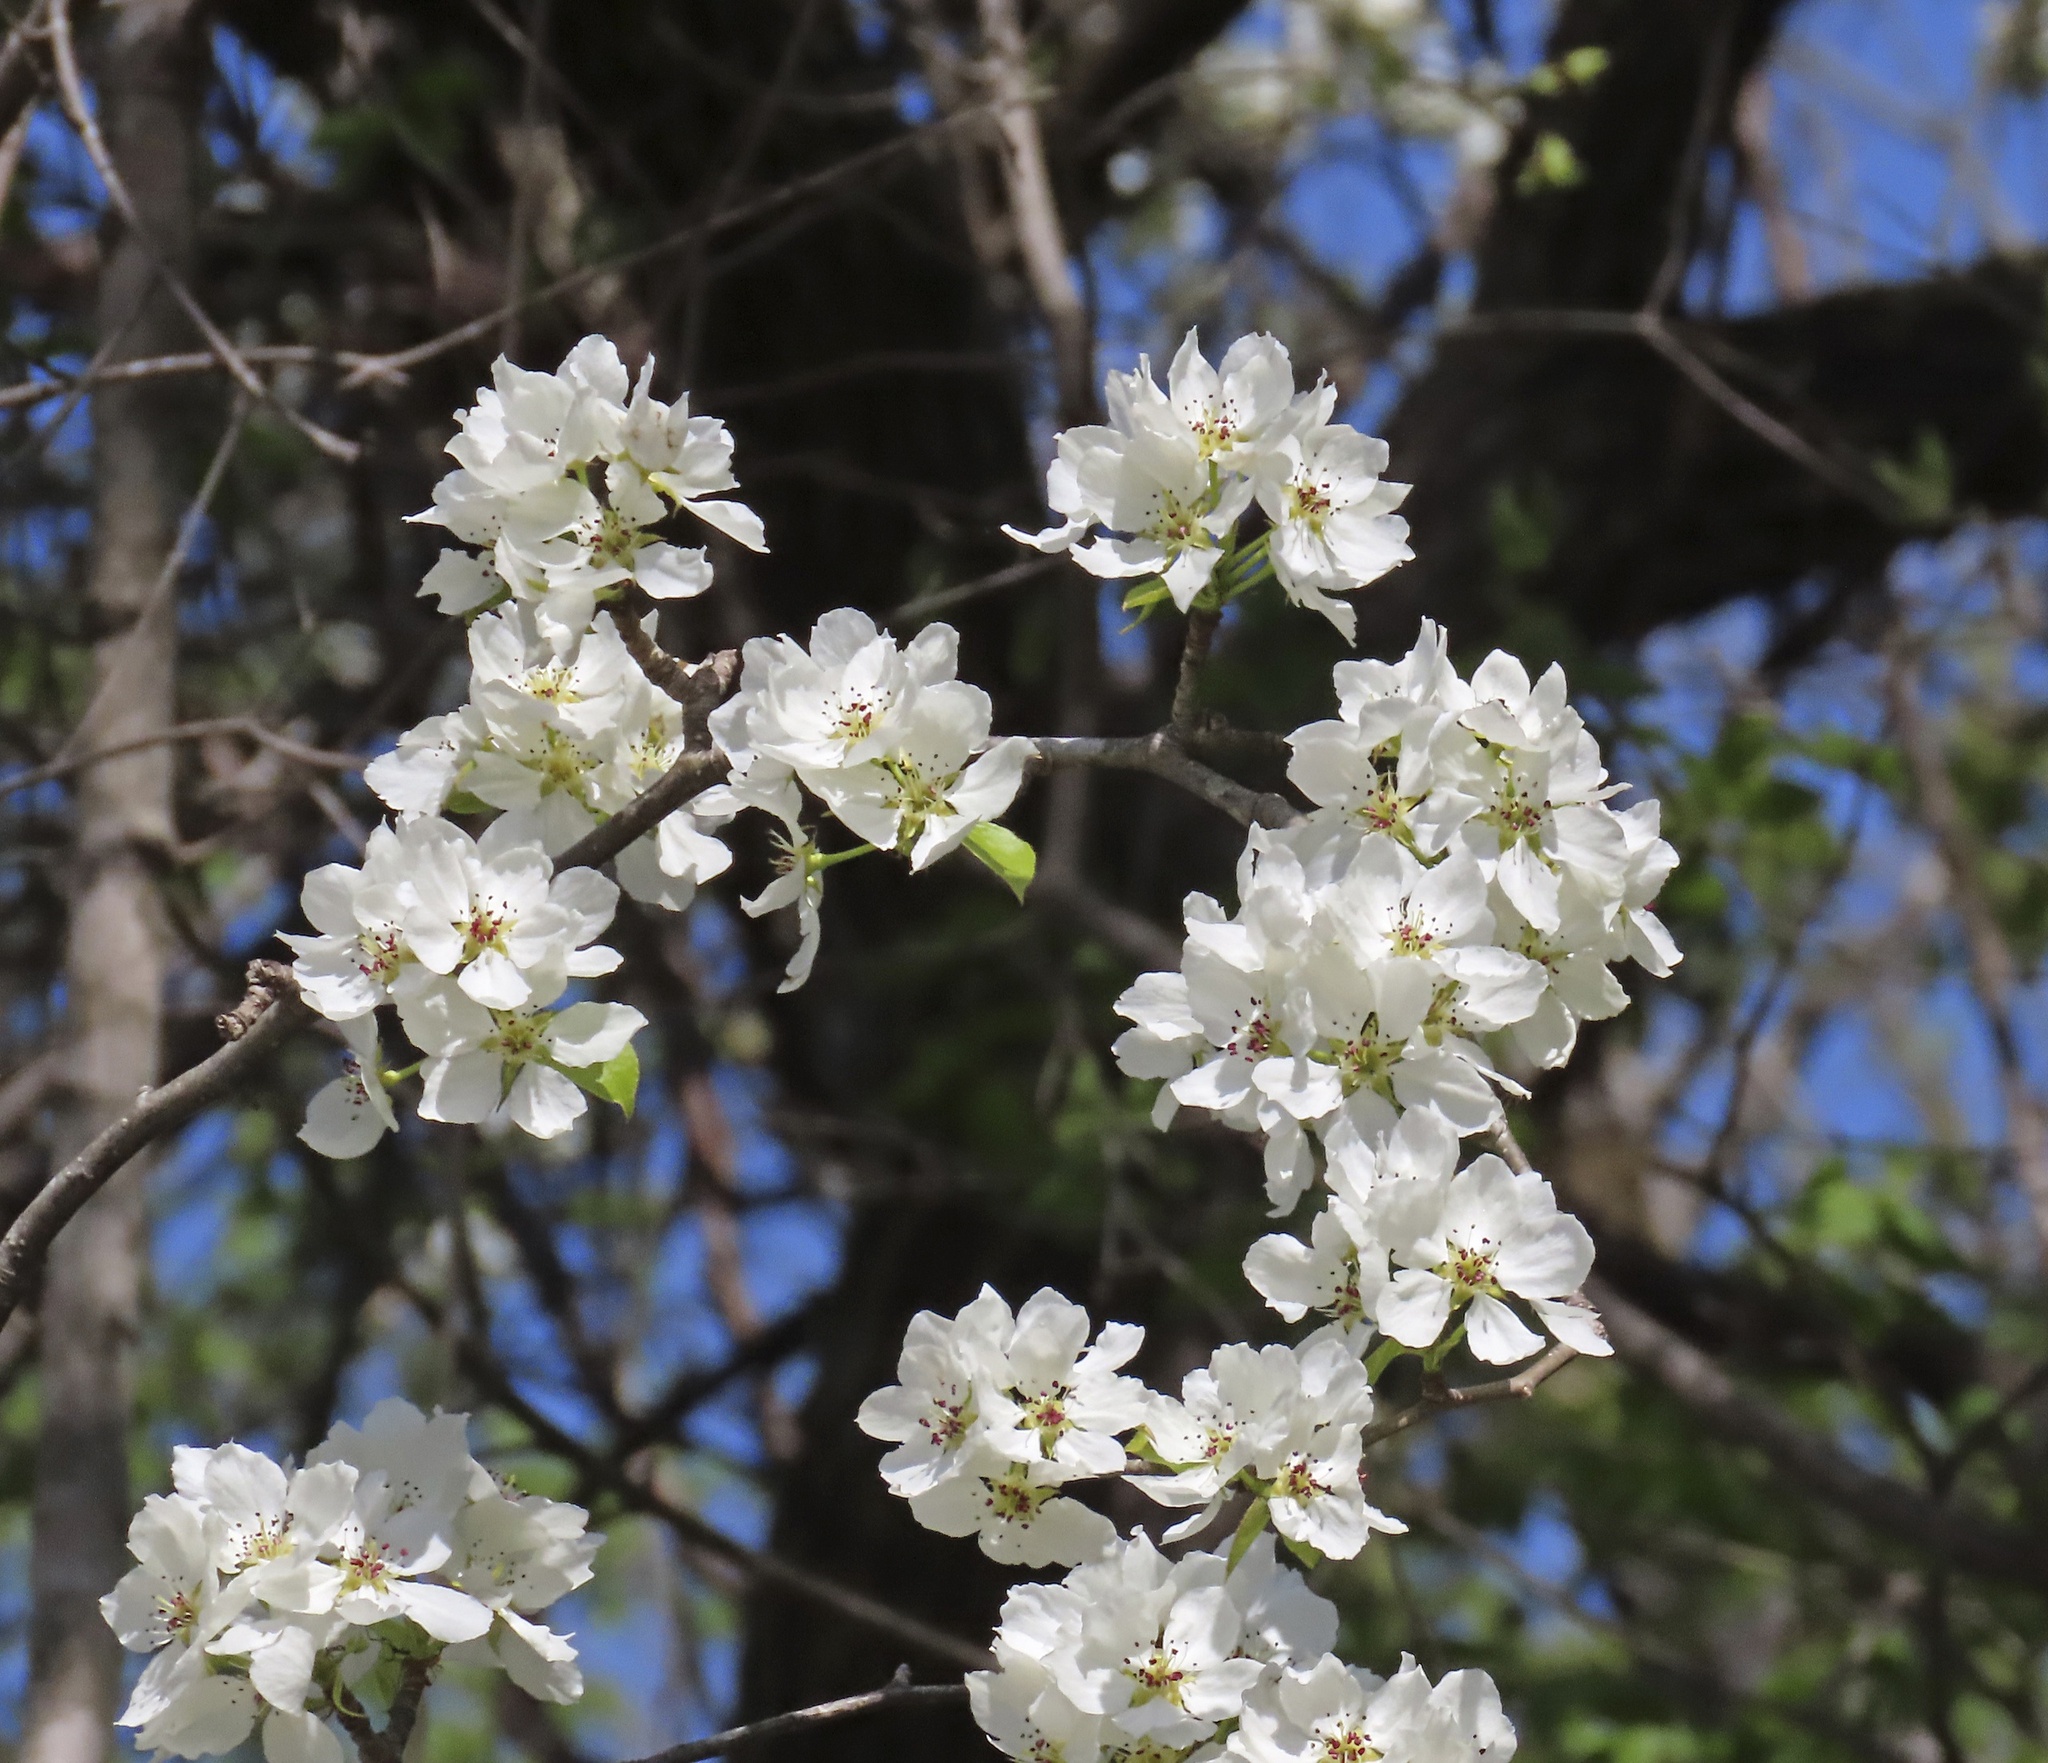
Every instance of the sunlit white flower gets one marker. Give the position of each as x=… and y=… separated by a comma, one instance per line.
x=1496, y=1235
x=1331, y=1711
x=347, y=1117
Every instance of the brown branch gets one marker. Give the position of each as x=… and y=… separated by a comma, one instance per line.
x=248, y=727
x=1439, y=1397
x=923, y=606
x=1994, y=971
x=787, y=195
x=689, y=776
x=1163, y=756
x=1034, y=210
x=25, y=393
x=634, y=1486
x=799, y=1720
x=1974, y=1542
x=71, y=89
x=388, y=1746
x=269, y=1012
x=1202, y=624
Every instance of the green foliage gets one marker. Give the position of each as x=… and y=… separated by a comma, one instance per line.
x=1002, y=851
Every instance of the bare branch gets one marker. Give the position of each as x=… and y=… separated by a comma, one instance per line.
x=1439, y=1397
x=1994, y=971
x=690, y=775
x=799, y=1720
x=1163, y=756
x=320, y=758
x=269, y=1012
x=769, y=202
x=1202, y=625
x=26, y=393
x=1011, y=575
x=1975, y=1542
x=71, y=88
x=1034, y=211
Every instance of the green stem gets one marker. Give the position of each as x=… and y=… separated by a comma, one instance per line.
x=1382, y=1356
x=1254, y=1521
x=392, y=1079
x=1435, y=1356
x=818, y=860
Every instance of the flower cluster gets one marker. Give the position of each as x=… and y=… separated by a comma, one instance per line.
x=283, y=1597
x=1461, y=874
x=1169, y=478
x=1137, y=1659
x=994, y=1414
x=474, y=941
x=525, y=455
x=888, y=738
x=560, y=481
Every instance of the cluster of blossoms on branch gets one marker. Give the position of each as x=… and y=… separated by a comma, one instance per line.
x=1461, y=880
x=286, y=1597
x=1171, y=476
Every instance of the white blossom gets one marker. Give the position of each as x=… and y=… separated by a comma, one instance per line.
x=492, y=913
x=259, y=1585
x=1332, y=1711
x=347, y=1117
x=994, y=1413
x=1284, y=1421
x=1134, y=1656
x=1334, y=526
x=1495, y=1235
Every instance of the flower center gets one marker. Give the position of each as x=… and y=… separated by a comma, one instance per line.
x=1344, y=1743
x=484, y=928
x=1298, y=1480
x=377, y=954
x=1012, y=1498
x=1470, y=1266
x=1158, y=1673
x=179, y=1614
x=1254, y=1039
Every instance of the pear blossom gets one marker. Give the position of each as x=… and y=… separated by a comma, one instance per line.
x=994, y=1413
x=1334, y=525
x=1284, y=1421
x=260, y=1587
x=1332, y=1711
x=1496, y=1235
x=510, y=1066
x=1135, y=1656
x=347, y=967
x=492, y=913
x=933, y=1410
x=1145, y=478
x=347, y=1117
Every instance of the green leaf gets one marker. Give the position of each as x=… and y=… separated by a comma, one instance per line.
x=617, y=1080
x=1255, y=1520
x=1004, y=852
x=1149, y=592
x=1307, y=1554
x=462, y=802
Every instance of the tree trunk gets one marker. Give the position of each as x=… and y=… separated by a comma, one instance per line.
x=116, y=950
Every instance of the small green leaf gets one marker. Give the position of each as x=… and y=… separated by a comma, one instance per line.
x=1255, y=1520
x=617, y=1080
x=1586, y=64
x=1149, y=592
x=1004, y=852
x=1307, y=1554
x=462, y=802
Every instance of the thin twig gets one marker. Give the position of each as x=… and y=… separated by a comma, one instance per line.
x=775, y=1726
x=320, y=758
x=1438, y=1398
x=269, y=1012
x=71, y=89
x=25, y=393
x=691, y=775
x=787, y=195
x=1162, y=756
x=917, y=610
x=1201, y=633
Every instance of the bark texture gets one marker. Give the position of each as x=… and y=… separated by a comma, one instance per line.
x=116, y=952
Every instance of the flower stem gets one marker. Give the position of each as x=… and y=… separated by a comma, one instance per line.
x=818, y=860
x=1382, y=1356
x=1254, y=1521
